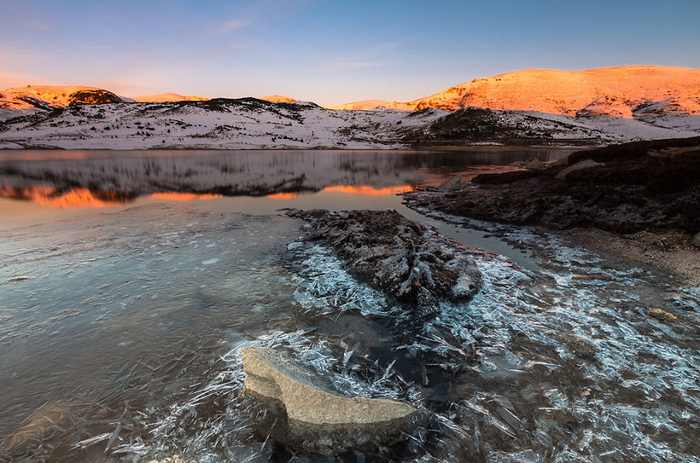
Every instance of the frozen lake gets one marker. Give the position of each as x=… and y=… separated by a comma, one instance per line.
x=129, y=279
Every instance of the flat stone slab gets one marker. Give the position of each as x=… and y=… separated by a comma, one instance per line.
x=307, y=414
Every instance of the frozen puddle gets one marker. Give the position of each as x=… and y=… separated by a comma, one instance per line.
x=562, y=364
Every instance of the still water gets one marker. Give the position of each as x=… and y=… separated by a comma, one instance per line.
x=128, y=279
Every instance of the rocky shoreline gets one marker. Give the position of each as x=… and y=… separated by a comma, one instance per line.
x=607, y=195
x=671, y=252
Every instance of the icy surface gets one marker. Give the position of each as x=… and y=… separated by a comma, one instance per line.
x=569, y=366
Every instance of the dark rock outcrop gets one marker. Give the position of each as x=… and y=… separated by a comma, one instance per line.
x=477, y=125
x=623, y=188
x=93, y=97
x=406, y=260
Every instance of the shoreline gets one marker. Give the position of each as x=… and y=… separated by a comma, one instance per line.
x=636, y=203
x=397, y=148
x=669, y=252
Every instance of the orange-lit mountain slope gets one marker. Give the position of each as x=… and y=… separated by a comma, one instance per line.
x=32, y=96
x=611, y=91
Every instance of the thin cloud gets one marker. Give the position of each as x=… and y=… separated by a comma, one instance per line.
x=355, y=64
x=234, y=25
x=239, y=46
x=373, y=57
x=39, y=26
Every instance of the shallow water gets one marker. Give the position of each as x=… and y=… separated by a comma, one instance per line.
x=130, y=280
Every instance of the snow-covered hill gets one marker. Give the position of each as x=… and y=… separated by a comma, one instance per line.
x=218, y=123
x=526, y=127
x=250, y=123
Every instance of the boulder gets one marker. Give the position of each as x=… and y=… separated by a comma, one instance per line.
x=696, y=240
x=52, y=417
x=306, y=414
x=663, y=315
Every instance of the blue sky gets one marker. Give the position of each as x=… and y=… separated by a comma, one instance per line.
x=329, y=51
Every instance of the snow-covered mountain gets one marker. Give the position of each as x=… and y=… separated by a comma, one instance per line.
x=217, y=123
x=611, y=91
x=533, y=107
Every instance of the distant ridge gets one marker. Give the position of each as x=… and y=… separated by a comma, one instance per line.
x=374, y=104
x=167, y=98
x=278, y=99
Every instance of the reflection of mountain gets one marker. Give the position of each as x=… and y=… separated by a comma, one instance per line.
x=98, y=179
x=46, y=195
x=366, y=190
x=79, y=197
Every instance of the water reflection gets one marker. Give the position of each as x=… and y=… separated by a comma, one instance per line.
x=367, y=190
x=96, y=179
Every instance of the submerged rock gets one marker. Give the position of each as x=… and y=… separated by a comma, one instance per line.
x=306, y=414
x=48, y=418
x=663, y=315
x=411, y=262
